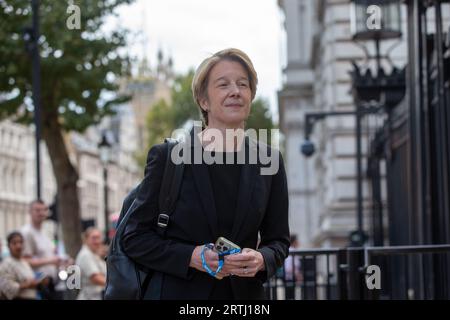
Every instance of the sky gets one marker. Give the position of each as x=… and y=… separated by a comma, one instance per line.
x=191, y=30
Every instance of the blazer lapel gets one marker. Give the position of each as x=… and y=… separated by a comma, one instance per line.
x=246, y=184
x=204, y=187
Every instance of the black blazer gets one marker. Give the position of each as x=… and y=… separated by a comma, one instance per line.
x=262, y=207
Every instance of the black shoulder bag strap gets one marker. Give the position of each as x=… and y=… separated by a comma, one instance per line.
x=170, y=187
x=168, y=195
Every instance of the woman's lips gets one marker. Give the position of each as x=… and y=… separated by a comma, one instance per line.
x=235, y=105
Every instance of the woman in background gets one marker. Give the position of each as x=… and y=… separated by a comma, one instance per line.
x=19, y=280
x=92, y=266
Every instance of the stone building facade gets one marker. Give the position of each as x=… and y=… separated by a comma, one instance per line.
x=319, y=51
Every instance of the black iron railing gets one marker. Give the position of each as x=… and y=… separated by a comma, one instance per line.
x=341, y=274
x=310, y=274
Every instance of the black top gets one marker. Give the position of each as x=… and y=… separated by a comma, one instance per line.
x=225, y=184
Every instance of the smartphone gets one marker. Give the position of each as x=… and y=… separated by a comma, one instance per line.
x=222, y=245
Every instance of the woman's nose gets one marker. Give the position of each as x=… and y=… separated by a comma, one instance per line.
x=234, y=89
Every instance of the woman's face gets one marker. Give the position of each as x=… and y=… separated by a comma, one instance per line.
x=16, y=247
x=228, y=95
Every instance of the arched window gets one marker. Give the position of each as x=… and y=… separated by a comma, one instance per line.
x=19, y=142
x=7, y=177
x=10, y=138
x=3, y=229
x=2, y=176
x=13, y=181
x=20, y=182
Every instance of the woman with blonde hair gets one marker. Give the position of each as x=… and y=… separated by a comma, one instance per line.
x=233, y=201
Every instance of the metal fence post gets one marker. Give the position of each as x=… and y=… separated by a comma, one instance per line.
x=354, y=276
x=342, y=269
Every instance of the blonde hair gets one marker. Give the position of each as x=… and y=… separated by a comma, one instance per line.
x=200, y=80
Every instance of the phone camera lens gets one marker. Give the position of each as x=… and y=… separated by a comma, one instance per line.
x=221, y=243
x=225, y=248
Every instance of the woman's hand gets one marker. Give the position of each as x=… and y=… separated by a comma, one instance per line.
x=211, y=257
x=245, y=264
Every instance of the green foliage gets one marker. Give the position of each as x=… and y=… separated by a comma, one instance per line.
x=79, y=68
x=183, y=104
x=160, y=122
x=260, y=117
x=164, y=118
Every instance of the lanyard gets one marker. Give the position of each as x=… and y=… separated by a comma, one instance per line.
x=221, y=255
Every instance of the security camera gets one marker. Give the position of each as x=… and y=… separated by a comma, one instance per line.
x=307, y=148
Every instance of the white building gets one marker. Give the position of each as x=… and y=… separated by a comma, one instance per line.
x=18, y=176
x=126, y=131
x=148, y=88
x=18, y=172
x=122, y=171
x=319, y=50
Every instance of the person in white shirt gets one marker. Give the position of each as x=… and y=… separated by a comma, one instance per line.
x=39, y=250
x=92, y=266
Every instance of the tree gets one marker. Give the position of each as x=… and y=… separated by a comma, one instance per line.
x=183, y=104
x=159, y=121
x=163, y=118
x=79, y=69
x=260, y=118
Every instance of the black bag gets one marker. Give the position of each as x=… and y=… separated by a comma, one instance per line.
x=125, y=280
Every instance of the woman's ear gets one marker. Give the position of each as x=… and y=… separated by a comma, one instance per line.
x=204, y=105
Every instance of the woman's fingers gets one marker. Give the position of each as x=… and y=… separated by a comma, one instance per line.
x=238, y=257
x=239, y=260
x=242, y=264
x=212, y=258
x=245, y=264
x=227, y=268
x=222, y=274
x=244, y=272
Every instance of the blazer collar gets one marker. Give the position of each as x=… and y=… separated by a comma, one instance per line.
x=246, y=185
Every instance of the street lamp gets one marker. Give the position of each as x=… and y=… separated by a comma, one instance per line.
x=373, y=20
x=370, y=20
x=104, y=148
x=31, y=38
